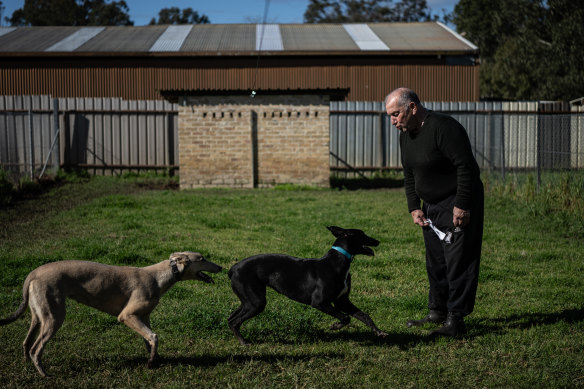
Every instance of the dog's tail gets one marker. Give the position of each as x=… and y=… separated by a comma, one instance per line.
x=22, y=306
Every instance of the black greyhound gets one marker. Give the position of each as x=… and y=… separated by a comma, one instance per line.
x=322, y=283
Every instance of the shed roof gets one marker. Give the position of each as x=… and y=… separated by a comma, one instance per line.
x=237, y=39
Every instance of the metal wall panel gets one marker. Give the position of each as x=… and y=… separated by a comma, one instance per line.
x=365, y=79
x=104, y=136
x=112, y=135
x=503, y=136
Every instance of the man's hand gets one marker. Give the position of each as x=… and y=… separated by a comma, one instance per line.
x=460, y=217
x=419, y=218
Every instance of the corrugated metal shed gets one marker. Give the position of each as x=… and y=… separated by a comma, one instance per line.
x=33, y=39
x=220, y=38
x=364, y=59
x=419, y=37
x=123, y=39
x=237, y=38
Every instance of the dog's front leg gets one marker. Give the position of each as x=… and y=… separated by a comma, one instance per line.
x=332, y=311
x=134, y=322
x=146, y=320
x=365, y=318
x=346, y=305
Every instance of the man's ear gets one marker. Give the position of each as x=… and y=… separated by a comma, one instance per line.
x=413, y=107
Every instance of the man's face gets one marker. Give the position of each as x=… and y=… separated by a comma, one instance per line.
x=402, y=117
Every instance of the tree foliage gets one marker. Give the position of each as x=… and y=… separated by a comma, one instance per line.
x=366, y=11
x=174, y=15
x=71, y=13
x=530, y=49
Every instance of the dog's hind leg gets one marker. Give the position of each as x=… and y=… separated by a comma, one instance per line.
x=253, y=302
x=234, y=323
x=32, y=331
x=51, y=314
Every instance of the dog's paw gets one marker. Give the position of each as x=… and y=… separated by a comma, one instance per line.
x=338, y=326
x=381, y=334
x=152, y=363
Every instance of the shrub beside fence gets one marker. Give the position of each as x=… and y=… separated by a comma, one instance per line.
x=109, y=136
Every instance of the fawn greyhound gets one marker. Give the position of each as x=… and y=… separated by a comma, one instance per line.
x=130, y=293
x=322, y=283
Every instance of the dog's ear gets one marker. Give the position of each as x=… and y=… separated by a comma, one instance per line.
x=186, y=255
x=337, y=231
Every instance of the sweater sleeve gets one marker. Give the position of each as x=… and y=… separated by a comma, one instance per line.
x=410, y=187
x=455, y=144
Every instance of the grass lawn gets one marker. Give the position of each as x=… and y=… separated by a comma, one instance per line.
x=527, y=329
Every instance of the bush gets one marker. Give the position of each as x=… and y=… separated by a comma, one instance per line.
x=6, y=188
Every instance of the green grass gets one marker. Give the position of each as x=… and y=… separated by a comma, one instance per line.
x=527, y=329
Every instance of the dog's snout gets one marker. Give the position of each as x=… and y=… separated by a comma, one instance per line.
x=373, y=242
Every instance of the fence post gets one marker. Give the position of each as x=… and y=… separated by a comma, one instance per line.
x=502, y=137
x=539, y=146
x=57, y=133
x=381, y=146
x=31, y=144
x=56, y=139
x=254, y=149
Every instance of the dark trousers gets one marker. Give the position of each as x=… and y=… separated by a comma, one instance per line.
x=453, y=268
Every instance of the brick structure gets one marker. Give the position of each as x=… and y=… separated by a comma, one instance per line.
x=239, y=141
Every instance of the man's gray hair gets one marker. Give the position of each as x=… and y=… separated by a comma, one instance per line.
x=405, y=96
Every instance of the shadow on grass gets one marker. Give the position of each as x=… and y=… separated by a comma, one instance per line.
x=365, y=183
x=364, y=338
x=206, y=360
x=523, y=321
x=403, y=341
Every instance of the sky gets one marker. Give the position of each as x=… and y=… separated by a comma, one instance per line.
x=223, y=11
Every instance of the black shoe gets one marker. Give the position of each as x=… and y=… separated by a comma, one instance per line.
x=453, y=327
x=436, y=317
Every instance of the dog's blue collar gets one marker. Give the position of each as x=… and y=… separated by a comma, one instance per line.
x=343, y=251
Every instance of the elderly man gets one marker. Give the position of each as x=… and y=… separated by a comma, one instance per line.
x=445, y=197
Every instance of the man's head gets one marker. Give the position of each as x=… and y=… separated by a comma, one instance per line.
x=405, y=109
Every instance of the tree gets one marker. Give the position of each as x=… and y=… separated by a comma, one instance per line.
x=366, y=11
x=413, y=11
x=488, y=23
x=71, y=13
x=530, y=49
x=565, y=60
x=174, y=15
x=100, y=13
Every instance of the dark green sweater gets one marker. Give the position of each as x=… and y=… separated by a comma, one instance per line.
x=438, y=162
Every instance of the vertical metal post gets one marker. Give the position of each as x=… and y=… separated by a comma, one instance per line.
x=31, y=144
x=381, y=146
x=539, y=146
x=502, y=148
x=57, y=134
x=56, y=141
x=254, y=149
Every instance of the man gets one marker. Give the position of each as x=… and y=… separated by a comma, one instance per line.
x=441, y=171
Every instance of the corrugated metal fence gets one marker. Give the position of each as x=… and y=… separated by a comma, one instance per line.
x=505, y=136
x=108, y=136
x=104, y=136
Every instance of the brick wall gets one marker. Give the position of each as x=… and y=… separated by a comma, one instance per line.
x=237, y=141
